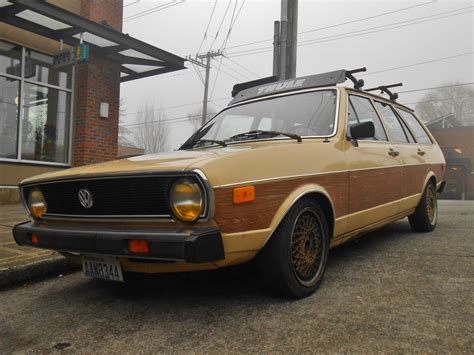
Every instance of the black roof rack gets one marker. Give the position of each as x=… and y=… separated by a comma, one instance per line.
x=386, y=89
x=271, y=85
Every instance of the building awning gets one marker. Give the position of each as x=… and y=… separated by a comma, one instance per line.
x=138, y=59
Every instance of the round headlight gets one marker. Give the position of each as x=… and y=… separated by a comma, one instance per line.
x=36, y=203
x=186, y=200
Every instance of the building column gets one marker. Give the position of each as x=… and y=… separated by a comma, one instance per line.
x=95, y=138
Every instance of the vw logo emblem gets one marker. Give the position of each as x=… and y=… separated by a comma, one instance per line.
x=85, y=198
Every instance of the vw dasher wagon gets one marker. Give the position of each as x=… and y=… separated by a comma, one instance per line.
x=288, y=170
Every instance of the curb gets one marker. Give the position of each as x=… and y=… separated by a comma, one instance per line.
x=40, y=269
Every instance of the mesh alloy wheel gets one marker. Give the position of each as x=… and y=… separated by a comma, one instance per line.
x=431, y=204
x=307, y=247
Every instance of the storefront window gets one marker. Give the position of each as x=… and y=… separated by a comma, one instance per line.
x=9, y=96
x=44, y=131
x=35, y=99
x=10, y=58
x=38, y=67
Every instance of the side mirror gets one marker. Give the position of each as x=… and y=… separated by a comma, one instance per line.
x=362, y=130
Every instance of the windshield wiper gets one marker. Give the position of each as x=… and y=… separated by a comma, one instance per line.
x=262, y=132
x=222, y=143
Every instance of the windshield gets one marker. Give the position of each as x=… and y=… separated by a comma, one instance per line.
x=308, y=114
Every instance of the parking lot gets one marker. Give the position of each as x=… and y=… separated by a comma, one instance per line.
x=392, y=290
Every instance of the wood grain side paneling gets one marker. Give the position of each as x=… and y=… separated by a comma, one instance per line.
x=413, y=179
x=269, y=197
x=370, y=188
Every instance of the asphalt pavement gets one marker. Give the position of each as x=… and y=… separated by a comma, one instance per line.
x=392, y=291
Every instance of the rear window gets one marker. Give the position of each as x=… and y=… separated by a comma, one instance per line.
x=420, y=133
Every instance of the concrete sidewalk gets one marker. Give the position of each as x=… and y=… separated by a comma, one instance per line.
x=12, y=255
x=20, y=264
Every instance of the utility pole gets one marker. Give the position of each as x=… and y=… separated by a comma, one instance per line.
x=285, y=41
x=199, y=60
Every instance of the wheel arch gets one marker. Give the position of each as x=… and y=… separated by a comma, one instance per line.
x=315, y=192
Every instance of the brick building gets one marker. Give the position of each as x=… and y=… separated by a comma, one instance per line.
x=56, y=111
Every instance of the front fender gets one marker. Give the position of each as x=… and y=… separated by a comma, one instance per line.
x=292, y=198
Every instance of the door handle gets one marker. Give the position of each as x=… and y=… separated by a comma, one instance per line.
x=393, y=153
x=421, y=152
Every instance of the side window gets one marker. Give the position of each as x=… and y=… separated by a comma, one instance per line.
x=411, y=138
x=420, y=133
x=364, y=111
x=391, y=122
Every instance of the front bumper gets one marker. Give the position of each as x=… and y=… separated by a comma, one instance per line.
x=193, y=245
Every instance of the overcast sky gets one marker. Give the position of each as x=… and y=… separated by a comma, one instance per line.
x=427, y=32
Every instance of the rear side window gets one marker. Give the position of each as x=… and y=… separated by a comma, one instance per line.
x=420, y=133
x=362, y=110
x=391, y=122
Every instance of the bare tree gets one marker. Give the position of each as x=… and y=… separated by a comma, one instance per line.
x=456, y=100
x=124, y=133
x=195, y=118
x=151, y=132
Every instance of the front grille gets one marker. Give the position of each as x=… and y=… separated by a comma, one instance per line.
x=119, y=196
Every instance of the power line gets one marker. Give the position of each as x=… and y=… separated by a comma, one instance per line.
x=231, y=26
x=220, y=26
x=153, y=10
x=436, y=87
x=436, y=100
x=237, y=72
x=359, y=32
x=207, y=27
x=339, y=24
x=245, y=68
x=132, y=3
x=415, y=64
x=175, y=106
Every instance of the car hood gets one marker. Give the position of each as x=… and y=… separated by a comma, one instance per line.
x=232, y=164
x=160, y=162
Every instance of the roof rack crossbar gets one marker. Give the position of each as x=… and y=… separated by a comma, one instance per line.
x=358, y=83
x=386, y=89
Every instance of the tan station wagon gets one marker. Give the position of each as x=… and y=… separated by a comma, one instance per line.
x=288, y=170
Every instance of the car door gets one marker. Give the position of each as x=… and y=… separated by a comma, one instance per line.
x=375, y=169
x=416, y=159
x=404, y=143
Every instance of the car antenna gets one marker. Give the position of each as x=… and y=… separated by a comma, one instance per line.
x=358, y=83
x=386, y=89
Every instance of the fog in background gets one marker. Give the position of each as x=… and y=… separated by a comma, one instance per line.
x=399, y=39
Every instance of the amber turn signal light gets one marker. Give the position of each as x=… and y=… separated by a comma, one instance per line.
x=138, y=246
x=244, y=194
x=34, y=239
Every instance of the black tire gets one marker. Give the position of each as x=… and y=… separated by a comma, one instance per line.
x=283, y=265
x=426, y=214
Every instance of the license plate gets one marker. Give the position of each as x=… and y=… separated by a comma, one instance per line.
x=102, y=268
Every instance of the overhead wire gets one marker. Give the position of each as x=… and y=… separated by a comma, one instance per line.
x=359, y=32
x=340, y=24
x=153, y=10
x=220, y=25
x=416, y=64
x=207, y=27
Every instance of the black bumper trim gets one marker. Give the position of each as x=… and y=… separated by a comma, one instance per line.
x=193, y=245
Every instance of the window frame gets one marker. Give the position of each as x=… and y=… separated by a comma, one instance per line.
x=397, y=116
x=69, y=115
x=398, y=108
x=355, y=93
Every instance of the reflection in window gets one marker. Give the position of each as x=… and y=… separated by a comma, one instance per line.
x=421, y=136
x=364, y=111
x=38, y=67
x=391, y=122
x=9, y=91
x=10, y=58
x=306, y=114
x=44, y=128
